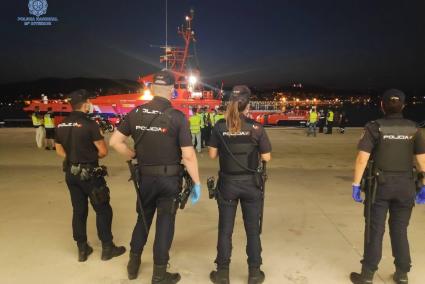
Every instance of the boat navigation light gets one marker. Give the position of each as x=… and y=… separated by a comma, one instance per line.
x=147, y=96
x=187, y=18
x=193, y=79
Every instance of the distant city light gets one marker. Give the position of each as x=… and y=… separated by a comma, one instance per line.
x=299, y=85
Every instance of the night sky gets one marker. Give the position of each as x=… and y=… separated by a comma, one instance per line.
x=337, y=44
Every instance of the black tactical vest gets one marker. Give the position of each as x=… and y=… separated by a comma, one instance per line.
x=155, y=141
x=395, y=149
x=243, y=147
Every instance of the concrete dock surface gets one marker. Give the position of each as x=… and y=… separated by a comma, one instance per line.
x=313, y=231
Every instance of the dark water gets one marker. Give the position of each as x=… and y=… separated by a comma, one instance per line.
x=360, y=115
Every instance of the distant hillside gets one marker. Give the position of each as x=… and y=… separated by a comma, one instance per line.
x=52, y=87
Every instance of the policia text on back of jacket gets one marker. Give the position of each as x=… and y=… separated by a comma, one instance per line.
x=389, y=146
x=162, y=140
x=241, y=144
x=79, y=141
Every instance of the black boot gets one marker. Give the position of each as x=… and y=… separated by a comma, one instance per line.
x=110, y=250
x=400, y=277
x=221, y=276
x=161, y=276
x=256, y=276
x=133, y=265
x=366, y=277
x=84, y=250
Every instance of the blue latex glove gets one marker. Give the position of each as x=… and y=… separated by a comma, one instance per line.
x=357, y=193
x=196, y=193
x=420, y=197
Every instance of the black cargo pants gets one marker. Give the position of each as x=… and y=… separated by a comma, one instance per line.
x=396, y=196
x=80, y=193
x=248, y=193
x=158, y=194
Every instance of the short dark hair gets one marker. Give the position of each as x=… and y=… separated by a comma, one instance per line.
x=78, y=98
x=392, y=106
x=77, y=105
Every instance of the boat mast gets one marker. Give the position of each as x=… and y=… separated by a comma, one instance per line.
x=175, y=57
x=188, y=35
x=166, y=32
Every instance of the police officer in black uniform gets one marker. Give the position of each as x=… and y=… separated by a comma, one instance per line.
x=322, y=120
x=239, y=138
x=392, y=143
x=79, y=141
x=162, y=140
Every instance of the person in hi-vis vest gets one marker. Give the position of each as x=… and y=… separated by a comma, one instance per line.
x=196, y=124
x=49, y=125
x=313, y=117
x=329, y=121
x=38, y=123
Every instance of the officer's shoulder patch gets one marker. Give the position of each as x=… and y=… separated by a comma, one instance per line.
x=256, y=125
x=135, y=110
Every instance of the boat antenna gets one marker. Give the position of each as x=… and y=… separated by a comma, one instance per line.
x=166, y=33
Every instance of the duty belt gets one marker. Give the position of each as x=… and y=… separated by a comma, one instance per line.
x=237, y=176
x=85, y=165
x=161, y=170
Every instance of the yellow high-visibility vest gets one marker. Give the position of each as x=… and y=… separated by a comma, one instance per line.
x=36, y=121
x=217, y=117
x=313, y=117
x=195, y=123
x=202, y=116
x=330, y=116
x=48, y=121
